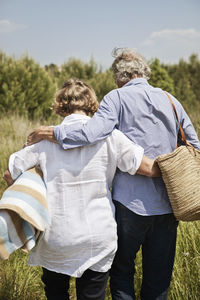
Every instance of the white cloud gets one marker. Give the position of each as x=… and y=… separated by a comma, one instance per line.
x=7, y=26
x=169, y=45
x=171, y=34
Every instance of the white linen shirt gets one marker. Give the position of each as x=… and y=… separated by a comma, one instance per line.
x=82, y=234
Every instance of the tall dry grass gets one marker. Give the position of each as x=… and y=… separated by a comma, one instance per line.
x=18, y=281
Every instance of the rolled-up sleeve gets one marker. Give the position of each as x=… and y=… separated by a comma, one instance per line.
x=129, y=154
x=97, y=128
x=23, y=160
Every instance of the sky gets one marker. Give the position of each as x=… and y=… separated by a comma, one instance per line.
x=52, y=31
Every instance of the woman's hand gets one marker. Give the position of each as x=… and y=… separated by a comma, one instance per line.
x=7, y=177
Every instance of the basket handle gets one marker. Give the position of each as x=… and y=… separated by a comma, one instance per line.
x=182, y=134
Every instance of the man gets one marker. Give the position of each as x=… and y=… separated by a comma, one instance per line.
x=143, y=212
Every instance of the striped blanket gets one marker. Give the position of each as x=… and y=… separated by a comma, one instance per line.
x=23, y=213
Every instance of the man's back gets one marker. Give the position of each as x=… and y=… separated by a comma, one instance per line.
x=146, y=117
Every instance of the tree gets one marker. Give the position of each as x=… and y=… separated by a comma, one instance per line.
x=102, y=83
x=25, y=88
x=53, y=71
x=160, y=77
x=186, y=76
x=194, y=75
x=29, y=89
x=75, y=68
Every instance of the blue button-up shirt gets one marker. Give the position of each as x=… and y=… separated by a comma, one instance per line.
x=145, y=115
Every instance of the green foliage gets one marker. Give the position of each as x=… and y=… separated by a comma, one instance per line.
x=25, y=88
x=186, y=274
x=186, y=77
x=29, y=89
x=53, y=71
x=14, y=130
x=194, y=70
x=102, y=82
x=75, y=68
x=19, y=281
x=160, y=77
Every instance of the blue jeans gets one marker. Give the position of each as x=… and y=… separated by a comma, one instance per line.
x=157, y=236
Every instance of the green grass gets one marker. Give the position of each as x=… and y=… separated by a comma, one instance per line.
x=18, y=281
x=186, y=275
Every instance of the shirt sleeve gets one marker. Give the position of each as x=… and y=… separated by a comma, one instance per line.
x=23, y=160
x=97, y=128
x=188, y=128
x=129, y=154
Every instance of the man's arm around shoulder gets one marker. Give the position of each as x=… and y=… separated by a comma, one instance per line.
x=74, y=135
x=41, y=133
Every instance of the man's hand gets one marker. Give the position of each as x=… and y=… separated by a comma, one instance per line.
x=41, y=133
x=149, y=167
x=7, y=177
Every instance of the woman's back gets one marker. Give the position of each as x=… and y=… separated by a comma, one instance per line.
x=82, y=234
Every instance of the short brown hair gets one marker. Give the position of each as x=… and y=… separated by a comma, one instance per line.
x=75, y=95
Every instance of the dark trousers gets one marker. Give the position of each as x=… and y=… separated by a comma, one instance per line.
x=157, y=236
x=90, y=286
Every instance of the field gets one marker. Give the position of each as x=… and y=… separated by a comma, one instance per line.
x=21, y=282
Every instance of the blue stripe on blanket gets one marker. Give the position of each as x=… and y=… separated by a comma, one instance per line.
x=10, y=247
x=28, y=229
x=35, y=211
x=32, y=176
x=42, y=211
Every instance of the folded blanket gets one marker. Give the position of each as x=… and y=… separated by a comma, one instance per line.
x=23, y=213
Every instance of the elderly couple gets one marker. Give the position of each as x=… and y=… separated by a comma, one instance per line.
x=93, y=234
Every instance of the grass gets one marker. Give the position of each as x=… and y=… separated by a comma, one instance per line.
x=186, y=275
x=18, y=281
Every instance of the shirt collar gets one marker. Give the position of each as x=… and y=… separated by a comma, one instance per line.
x=136, y=81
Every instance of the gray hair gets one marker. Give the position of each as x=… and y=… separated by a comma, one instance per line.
x=129, y=64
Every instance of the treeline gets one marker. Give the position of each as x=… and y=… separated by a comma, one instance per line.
x=29, y=89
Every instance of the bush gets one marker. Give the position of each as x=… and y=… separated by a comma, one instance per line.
x=25, y=88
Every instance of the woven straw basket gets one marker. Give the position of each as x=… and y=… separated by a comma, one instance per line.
x=181, y=174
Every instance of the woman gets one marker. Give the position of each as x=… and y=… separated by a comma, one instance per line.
x=81, y=240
